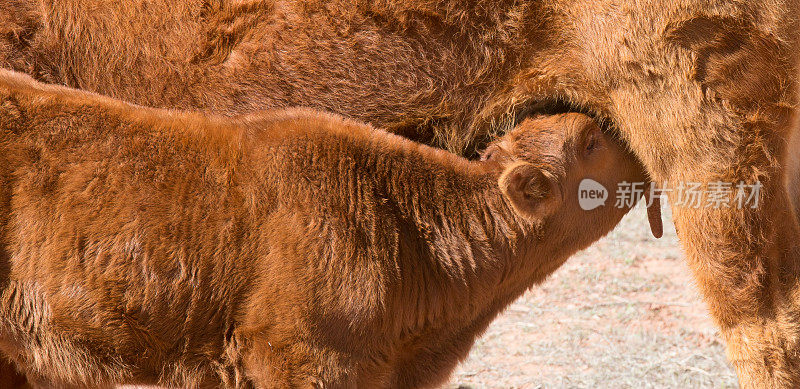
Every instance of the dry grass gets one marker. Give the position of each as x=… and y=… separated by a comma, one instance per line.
x=622, y=314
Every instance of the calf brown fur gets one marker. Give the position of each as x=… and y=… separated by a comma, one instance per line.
x=284, y=249
x=702, y=91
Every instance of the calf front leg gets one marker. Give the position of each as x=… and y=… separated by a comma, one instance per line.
x=10, y=377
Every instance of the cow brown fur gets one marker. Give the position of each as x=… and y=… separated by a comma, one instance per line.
x=793, y=169
x=702, y=90
x=284, y=249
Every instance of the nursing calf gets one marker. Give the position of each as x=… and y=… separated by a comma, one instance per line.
x=701, y=90
x=285, y=249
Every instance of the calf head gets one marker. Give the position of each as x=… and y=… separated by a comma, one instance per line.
x=564, y=172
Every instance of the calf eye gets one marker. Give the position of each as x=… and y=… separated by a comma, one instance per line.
x=490, y=153
x=591, y=144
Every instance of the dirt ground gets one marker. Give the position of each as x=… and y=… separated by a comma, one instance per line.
x=622, y=314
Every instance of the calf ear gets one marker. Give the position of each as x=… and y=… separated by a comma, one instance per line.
x=532, y=191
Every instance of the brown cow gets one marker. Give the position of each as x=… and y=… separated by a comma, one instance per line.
x=284, y=249
x=702, y=91
x=793, y=168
